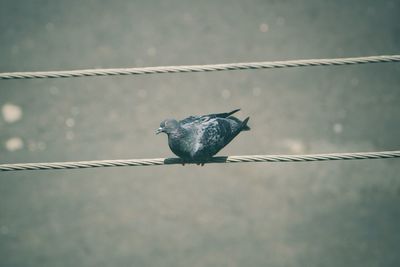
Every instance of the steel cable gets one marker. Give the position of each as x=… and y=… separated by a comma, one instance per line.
x=170, y=161
x=199, y=68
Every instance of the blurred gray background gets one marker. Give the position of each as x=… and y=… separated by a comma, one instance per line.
x=255, y=214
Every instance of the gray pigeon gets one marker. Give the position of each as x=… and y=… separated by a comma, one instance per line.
x=198, y=138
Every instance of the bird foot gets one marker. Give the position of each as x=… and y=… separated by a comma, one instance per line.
x=197, y=163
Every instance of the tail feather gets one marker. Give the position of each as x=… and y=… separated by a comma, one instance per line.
x=244, y=125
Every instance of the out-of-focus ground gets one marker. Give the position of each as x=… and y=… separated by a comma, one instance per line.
x=300, y=214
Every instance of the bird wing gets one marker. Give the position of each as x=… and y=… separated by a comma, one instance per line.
x=213, y=135
x=207, y=137
x=190, y=120
x=204, y=118
x=222, y=115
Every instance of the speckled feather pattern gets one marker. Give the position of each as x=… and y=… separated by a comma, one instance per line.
x=198, y=138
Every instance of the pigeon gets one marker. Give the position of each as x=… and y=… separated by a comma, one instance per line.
x=198, y=138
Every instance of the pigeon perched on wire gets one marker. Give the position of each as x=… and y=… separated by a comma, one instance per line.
x=198, y=138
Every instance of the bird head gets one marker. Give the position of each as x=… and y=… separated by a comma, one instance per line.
x=167, y=126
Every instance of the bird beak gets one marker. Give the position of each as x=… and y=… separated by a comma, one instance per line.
x=159, y=130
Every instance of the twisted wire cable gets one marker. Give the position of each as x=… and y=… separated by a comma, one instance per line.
x=200, y=68
x=170, y=161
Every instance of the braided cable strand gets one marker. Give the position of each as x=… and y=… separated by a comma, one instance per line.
x=199, y=68
x=170, y=161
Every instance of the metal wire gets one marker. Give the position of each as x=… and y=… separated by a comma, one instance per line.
x=200, y=68
x=170, y=161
